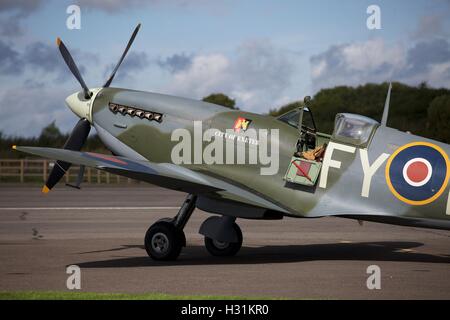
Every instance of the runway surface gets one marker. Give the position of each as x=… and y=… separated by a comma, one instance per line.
x=101, y=230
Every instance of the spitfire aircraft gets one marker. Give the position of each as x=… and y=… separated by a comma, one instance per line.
x=364, y=170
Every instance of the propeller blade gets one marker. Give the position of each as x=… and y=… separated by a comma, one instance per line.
x=72, y=66
x=130, y=42
x=78, y=136
x=75, y=142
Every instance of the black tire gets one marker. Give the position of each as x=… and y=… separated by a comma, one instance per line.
x=163, y=241
x=224, y=249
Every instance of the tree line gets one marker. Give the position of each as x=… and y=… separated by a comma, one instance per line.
x=50, y=136
x=420, y=110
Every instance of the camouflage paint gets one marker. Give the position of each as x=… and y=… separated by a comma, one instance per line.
x=342, y=195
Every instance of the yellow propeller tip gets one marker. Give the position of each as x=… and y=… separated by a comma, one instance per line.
x=45, y=189
x=14, y=147
x=58, y=41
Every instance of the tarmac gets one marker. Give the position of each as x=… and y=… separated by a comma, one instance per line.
x=101, y=229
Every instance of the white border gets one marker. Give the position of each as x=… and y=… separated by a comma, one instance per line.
x=424, y=181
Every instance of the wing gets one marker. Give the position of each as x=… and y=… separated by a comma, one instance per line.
x=165, y=175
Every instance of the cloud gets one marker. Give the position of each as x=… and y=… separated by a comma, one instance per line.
x=176, y=62
x=426, y=53
x=12, y=13
x=10, y=61
x=256, y=77
x=428, y=61
x=374, y=61
x=356, y=63
x=26, y=112
x=40, y=57
x=431, y=26
x=134, y=62
x=24, y=7
x=114, y=6
x=206, y=74
x=260, y=66
x=35, y=82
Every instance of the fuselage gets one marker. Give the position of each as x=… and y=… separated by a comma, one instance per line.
x=346, y=191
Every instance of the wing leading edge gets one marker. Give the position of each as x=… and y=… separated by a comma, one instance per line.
x=165, y=175
x=180, y=179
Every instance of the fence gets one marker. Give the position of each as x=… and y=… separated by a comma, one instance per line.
x=25, y=170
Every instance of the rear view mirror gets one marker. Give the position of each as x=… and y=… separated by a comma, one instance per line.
x=307, y=100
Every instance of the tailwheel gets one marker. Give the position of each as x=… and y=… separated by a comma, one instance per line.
x=222, y=248
x=164, y=241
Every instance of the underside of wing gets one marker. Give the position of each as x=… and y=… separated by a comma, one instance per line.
x=218, y=196
x=178, y=178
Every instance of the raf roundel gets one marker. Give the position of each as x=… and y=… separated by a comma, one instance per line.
x=418, y=173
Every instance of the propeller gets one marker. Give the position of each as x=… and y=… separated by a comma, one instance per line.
x=72, y=66
x=75, y=142
x=80, y=132
x=130, y=42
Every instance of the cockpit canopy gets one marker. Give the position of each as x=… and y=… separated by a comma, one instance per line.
x=292, y=118
x=354, y=129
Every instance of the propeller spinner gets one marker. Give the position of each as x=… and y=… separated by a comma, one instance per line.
x=80, y=103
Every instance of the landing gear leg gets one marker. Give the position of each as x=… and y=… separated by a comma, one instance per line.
x=165, y=238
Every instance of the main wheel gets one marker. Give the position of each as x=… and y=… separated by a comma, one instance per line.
x=224, y=249
x=163, y=241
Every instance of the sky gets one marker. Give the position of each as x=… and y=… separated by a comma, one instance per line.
x=261, y=53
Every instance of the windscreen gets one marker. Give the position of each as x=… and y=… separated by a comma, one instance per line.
x=353, y=129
